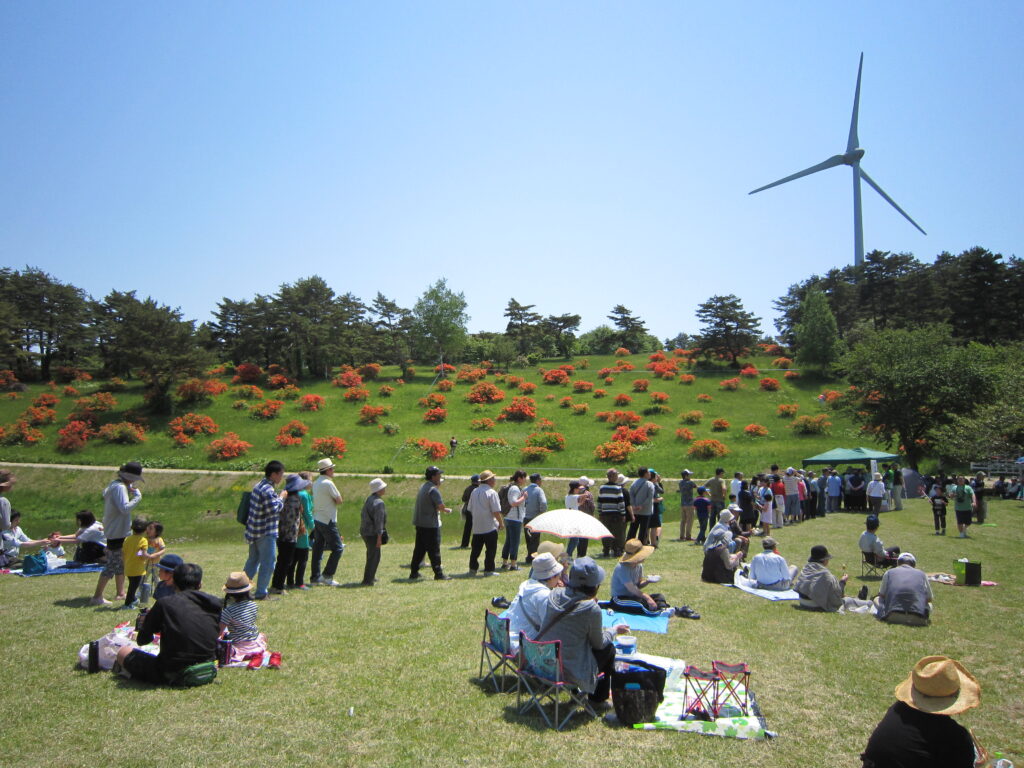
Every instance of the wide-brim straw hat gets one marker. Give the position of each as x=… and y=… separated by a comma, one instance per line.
x=237, y=582
x=554, y=548
x=486, y=475
x=634, y=551
x=940, y=686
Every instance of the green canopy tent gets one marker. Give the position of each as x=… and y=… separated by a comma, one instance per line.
x=838, y=456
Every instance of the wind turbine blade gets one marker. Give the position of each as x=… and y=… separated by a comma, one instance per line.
x=879, y=190
x=832, y=162
x=853, y=142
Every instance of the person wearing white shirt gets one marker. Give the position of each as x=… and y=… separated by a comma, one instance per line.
x=769, y=569
x=485, y=507
x=516, y=500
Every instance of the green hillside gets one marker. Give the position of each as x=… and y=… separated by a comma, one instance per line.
x=370, y=449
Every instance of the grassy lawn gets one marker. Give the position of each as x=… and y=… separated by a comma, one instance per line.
x=370, y=450
x=402, y=657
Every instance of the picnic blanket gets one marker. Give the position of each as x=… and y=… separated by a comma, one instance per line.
x=748, y=586
x=731, y=723
x=656, y=624
x=950, y=580
x=70, y=567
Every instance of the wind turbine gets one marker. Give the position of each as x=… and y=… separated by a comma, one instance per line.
x=851, y=158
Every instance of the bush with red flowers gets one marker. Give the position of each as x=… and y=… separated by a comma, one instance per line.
x=623, y=399
x=704, y=398
x=231, y=446
x=347, y=380
x=684, y=434
x=707, y=449
x=692, y=417
x=122, y=432
x=248, y=392
x=279, y=381
x=730, y=385
x=565, y=402
x=782, y=362
x=444, y=369
x=582, y=386
x=580, y=409
x=38, y=416
x=291, y=433
x=445, y=385
x=614, y=451
x=624, y=365
x=329, y=447
x=755, y=430
x=749, y=372
x=599, y=393
x=622, y=352
x=385, y=391
x=770, y=385
x=46, y=400
x=267, y=410
x=485, y=392
x=246, y=373
x=482, y=425
x=640, y=385
x=370, y=414
x=470, y=375
x=7, y=379
x=369, y=371
x=73, y=436
x=554, y=376
x=534, y=454
x=433, y=400
x=659, y=397
x=633, y=436
x=432, y=449
x=787, y=410
x=521, y=409
x=311, y=402
x=356, y=394
x=791, y=375
x=435, y=415
x=719, y=425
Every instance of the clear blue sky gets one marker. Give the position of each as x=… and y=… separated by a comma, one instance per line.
x=573, y=155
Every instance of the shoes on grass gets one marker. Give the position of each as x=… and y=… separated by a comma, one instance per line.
x=686, y=612
x=863, y=593
x=500, y=602
x=99, y=601
x=274, y=662
x=255, y=661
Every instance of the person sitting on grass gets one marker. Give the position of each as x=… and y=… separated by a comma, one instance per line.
x=820, y=590
x=628, y=583
x=918, y=730
x=769, y=569
x=188, y=625
x=573, y=616
x=872, y=546
x=238, y=619
x=526, y=612
x=165, y=576
x=14, y=540
x=89, y=538
x=720, y=565
x=724, y=533
x=905, y=596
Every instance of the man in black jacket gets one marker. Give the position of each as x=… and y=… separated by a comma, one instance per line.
x=188, y=625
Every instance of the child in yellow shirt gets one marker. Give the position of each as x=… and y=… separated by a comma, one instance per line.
x=155, y=550
x=136, y=560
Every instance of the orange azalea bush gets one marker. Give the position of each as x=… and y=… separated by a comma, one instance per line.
x=279, y=381
x=624, y=365
x=267, y=410
x=750, y=372
x=347, y=379
x=369, y=371
x=614, y=452
x=755, y=430
x=70, y=391
x=624, y=434
x=20, y=433
x=521, y=409
x=609, y=379
x=291, y=433
x=356, y=394
x=622, y=352
x=329, y=446
x=433, y=400
x=534, y=454
x=485, y=392
x=482, y=424
x=704, y=398
x=39, y=416
x=432, y=449
x=547, y=424
x=580, y=409
x=787, y=410
x=46, y=400
x=687, y=378
x=247, y=373
x=311, y=403
x=565, y=402
x=782, y=362
x=435, y=416
x=553, y=441
x=445, y=385
x=184, y=428
x=770, y=349
x=527, y=387
x=707, y=449
x=554, y=376
x=831, y=396
x=122, y=432
x=791, y=375
x=730, y=385
x=811, y=425
x=470, y=375
x=385, y=390
x=231, y=446
x=598, y=393
x=582, y=386
x=248, y=392
x=7, y=379
x=684, y=434
x=659, y=397
x=623, y=399
x=692, y=417
x=73, y=436
x=640, y=385
x=770, y=385
x=446, y=368
x=719, y=425
x=370, y=414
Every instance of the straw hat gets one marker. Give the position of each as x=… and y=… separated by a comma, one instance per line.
x=237, y=582
x=553, y=548
x=634, y=551
x=940, y=686
x=486, y=475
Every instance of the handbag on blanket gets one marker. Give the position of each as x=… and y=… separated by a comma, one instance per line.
x=637, y=689
x=33, y=564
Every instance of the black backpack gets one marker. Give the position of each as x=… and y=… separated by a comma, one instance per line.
x=242, y=513
x=503, y=498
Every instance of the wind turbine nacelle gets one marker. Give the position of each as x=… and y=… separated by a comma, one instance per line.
x=853, y=156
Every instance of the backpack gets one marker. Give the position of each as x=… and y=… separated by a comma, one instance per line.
x=503, y=498
x=242, y=513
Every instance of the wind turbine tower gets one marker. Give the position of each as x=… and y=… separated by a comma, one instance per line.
x=852, y=158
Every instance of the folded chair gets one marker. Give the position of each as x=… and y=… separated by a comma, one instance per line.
x=700, y=690
x=734, y=682
x=542, y=679
x=496, y=650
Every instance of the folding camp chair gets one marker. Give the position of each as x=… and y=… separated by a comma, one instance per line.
x=542, y=678
x=496, y=650
x=700, y=691
x=734, y=682
x=870, y=565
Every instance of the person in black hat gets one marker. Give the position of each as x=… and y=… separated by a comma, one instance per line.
x=119, y=499
x=467, y=528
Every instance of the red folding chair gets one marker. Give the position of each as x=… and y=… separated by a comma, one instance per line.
x=700, y=690
x=734, y=682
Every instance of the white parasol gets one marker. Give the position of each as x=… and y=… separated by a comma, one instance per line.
x=569, y=523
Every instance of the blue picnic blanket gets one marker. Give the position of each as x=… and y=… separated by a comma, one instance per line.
x=657, y=624
x=69, y=568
